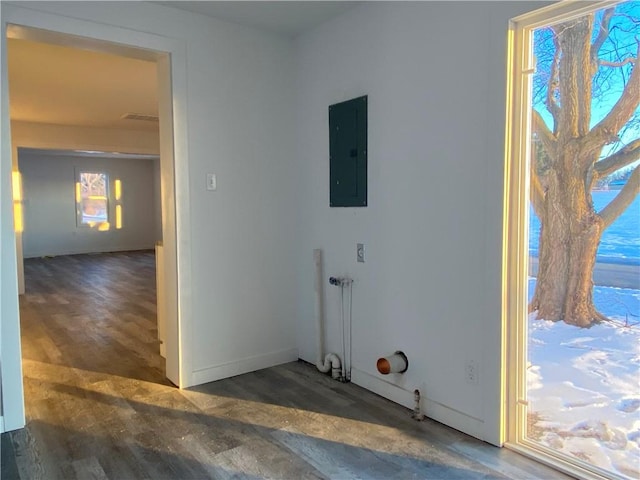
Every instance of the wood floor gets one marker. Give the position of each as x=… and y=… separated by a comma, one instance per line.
x=98, y=405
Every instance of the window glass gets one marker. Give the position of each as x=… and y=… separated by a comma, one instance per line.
x=93, y=201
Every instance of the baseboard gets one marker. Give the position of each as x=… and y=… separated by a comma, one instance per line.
x=437, y=411
x=384, y=389
x=244, y=365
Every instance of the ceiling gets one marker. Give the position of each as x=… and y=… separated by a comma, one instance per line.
x=63, y=85
x=68, y=86
x=287, y=18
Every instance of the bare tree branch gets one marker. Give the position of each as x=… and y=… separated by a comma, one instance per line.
x=603, y=34
x=537, y=192
x=605, y=63
x=623, y=157
x=546, y=137
x=551, y=103
x=619, y=204
x=607, y=129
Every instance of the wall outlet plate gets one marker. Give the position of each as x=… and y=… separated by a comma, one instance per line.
x=360, y=252
x=471, y=371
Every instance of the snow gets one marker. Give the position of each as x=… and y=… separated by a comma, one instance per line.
x=584, y=384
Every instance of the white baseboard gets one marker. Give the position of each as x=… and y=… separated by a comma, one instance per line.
x=244, y=365
x=432, y=409
x=384, y=389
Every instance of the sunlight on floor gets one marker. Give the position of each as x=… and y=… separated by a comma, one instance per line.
x=318, y=425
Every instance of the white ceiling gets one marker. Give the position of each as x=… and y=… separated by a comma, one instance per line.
x=68, y=86
x=288, y=18
x=60, y=84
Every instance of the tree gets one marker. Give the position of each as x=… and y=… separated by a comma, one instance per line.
x=578, y=149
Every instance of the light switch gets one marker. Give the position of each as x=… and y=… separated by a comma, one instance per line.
x=211, y=181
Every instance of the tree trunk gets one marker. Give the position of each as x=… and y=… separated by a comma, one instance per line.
x=569, y=238
x=569, y=164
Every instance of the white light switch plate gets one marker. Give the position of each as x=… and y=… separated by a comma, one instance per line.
x=212, y=184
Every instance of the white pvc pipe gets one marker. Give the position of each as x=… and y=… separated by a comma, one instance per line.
x=396, y=363
x=331, y=361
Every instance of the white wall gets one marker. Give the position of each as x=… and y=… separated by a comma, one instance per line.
x=50, y=226
x=435, y=76
x=240, y=120
x=238, y=305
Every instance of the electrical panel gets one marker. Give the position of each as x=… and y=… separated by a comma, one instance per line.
x=348, y=153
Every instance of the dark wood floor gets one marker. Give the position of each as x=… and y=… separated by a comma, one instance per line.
x=98, y=405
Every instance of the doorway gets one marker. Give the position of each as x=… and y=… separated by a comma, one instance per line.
x=169, y=56
x=572, y=293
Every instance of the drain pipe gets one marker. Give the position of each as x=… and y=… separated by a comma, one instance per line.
x=331, y=361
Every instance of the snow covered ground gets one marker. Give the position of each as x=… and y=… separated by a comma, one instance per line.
x=584, y=384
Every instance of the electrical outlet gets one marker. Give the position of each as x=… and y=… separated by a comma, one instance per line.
x=360, y=252
x=471, y=371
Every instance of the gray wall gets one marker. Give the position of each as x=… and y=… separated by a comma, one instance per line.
x=49, y=205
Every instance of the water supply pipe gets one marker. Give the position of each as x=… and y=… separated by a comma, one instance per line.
x=417, y=412
x=331, y=361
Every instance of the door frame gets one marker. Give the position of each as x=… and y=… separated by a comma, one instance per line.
x=520, y=66
x=170, y=55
